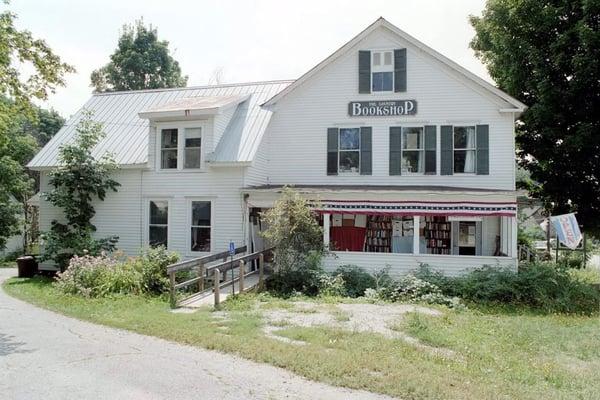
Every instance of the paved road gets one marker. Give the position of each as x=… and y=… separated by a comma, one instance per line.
x=50, y=356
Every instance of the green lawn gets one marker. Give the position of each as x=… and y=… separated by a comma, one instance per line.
x=499, y=355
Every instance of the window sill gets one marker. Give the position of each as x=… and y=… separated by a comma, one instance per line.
x=184, y=171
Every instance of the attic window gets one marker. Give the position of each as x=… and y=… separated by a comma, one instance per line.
x=193, y=140
x=168, y=149
x=382, y=71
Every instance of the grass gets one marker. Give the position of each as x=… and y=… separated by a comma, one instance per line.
x=7, y=264
x=500, y=354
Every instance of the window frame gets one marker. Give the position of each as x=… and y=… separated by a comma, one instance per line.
x=189, y=215
x=382, y=68
x=186, y=148
x=148, y=219
x=465, y=149
x=340, y=151
x=420, y=150
x=181, y=126
x=165, y=149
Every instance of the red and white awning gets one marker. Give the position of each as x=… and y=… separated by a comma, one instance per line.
x=431, y=208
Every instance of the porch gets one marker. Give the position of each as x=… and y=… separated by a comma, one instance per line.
x=450, y=229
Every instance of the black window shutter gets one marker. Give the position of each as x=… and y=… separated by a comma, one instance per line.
x=400, y=70
x=364, y=71
x=395, y=150
x=332, y=151
x=447, y=149
x=430, y=149
x=483, y=149
x=366, y=158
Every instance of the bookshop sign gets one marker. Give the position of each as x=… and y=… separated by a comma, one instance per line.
x=383, y=108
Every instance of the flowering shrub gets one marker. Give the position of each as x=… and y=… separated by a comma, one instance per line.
x=412, y=289
x=99, y=276
x=332, y=285
x=96, y=276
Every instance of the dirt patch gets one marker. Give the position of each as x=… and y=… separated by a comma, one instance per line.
x=355, y=317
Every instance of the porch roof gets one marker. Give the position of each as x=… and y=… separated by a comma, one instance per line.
x=395, y=200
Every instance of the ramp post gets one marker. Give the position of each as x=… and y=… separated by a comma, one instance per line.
x=261, y=270
x=172, y=299
x=201, y=281
x=217, y=285
x=242, y=272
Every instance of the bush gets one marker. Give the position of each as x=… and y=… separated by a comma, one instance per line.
x=412, y=289
x=305, y=279
x=544, y=286
x=153, y=268
x=356, y=280
x=99, y=276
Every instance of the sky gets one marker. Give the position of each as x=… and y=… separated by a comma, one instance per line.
x=249, y=40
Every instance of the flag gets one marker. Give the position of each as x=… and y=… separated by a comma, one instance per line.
x=567, y=229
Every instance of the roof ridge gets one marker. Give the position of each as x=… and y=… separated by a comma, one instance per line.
x=122, y=92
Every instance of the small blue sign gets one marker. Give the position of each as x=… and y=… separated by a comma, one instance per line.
x=231, y=248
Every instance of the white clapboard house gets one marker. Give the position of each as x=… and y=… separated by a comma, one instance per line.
x=410, y=156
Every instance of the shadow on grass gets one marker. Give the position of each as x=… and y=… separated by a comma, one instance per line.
x=36, y=281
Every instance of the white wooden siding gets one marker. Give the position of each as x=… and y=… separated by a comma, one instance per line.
x=401, y=264
x=297, y=135
x=125, y=213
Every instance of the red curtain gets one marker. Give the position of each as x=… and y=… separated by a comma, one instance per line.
x=347, y=238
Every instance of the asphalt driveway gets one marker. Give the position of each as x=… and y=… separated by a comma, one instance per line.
x=50, y=356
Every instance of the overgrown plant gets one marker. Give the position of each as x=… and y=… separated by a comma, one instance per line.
x=293, y=230
x=76, y=183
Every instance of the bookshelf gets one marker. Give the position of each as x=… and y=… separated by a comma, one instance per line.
x=438, y=235
x=379, y=234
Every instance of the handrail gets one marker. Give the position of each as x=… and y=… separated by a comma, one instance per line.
x=215, y=270
x=230, y=264
x=188, y=264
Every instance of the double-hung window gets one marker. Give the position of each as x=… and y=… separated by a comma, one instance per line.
x=349, y=150
x=180, y=147
x=158, y=223
x=192, y=153
x=465, y=149
x=200, y=226
x=413, y=150
x=168, y=149
x=382, y=71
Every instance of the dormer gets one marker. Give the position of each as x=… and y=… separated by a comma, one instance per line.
x=185, y=132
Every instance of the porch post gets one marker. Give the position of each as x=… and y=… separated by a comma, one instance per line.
x=416, y=233
x=326, y=221
x=513, y=238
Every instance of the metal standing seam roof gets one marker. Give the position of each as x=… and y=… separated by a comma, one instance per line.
x=127, y=134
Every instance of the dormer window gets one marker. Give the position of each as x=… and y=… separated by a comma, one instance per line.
x=168, y=149
x=193, y=140
x=382, y=70
x=179, y=146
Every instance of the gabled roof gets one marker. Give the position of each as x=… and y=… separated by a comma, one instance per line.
x=127, y=134
x=382, y=22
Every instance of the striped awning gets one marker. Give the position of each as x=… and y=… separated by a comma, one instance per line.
x=423, y=208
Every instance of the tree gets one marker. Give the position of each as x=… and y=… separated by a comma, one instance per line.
x=547, y=54
x=19, y=51
x=140, y=61
x=79, y=179
x=293, y=230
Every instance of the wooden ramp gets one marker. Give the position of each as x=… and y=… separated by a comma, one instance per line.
x=212, y=283
x=207, y=297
